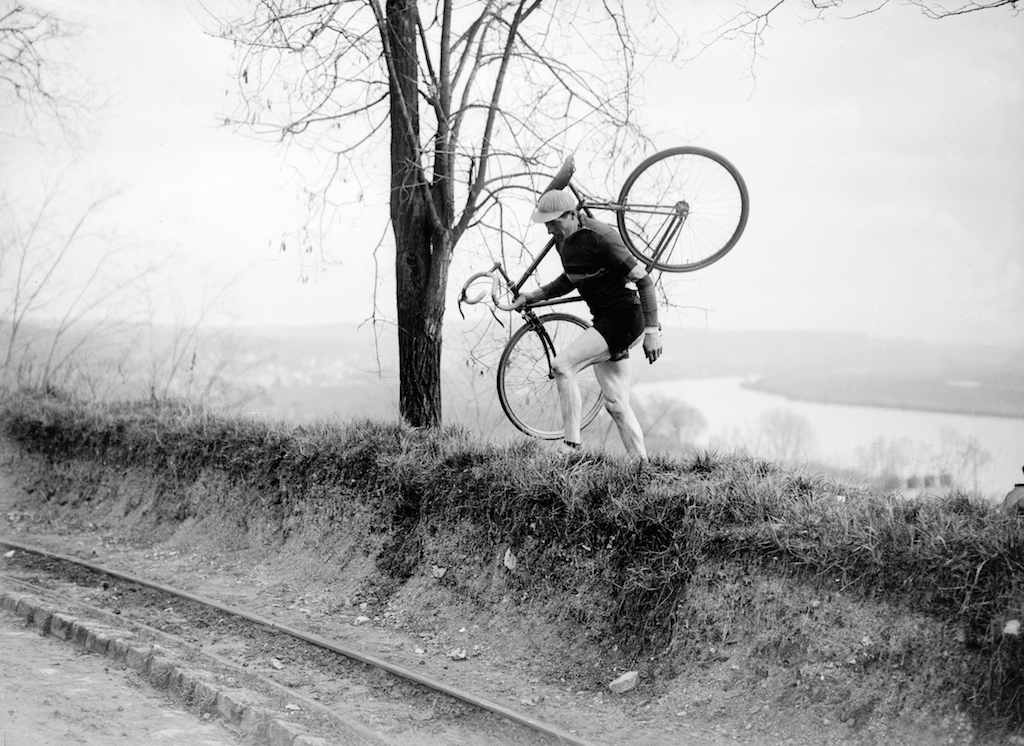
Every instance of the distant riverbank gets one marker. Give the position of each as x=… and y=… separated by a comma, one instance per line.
x=978, y=452
x=956, y=396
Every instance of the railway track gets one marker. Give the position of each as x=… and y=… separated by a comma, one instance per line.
x=275, y=682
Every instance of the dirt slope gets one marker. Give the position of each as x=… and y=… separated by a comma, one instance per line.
x=753, y=660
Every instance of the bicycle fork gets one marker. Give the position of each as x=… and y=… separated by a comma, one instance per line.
x=537, y=326
x=669, y=233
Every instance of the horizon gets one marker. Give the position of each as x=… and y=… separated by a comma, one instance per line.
x=820, y=376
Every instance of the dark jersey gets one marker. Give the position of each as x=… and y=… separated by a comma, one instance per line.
x=597, y=262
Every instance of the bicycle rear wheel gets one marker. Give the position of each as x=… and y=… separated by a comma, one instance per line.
x=682, y=209
x=526, y=386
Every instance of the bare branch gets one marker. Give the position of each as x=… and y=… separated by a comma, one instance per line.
x=36, y=81
x=937, y=11
x=751, y=24
x=521, y=14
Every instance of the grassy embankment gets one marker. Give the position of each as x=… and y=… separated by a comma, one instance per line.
x=662, y=568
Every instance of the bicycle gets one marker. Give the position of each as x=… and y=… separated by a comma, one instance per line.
x=680, y=210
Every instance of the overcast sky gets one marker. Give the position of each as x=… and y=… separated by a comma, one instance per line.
x=883, y=155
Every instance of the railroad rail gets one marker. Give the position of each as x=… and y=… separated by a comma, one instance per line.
x=61, y=568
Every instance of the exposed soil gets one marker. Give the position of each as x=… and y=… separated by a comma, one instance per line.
x=794, y=665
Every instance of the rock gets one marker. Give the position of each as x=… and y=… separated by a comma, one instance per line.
x=457, y=654
x=625, y=682
x=510, y=560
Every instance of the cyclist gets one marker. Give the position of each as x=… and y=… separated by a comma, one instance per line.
x=597, y=263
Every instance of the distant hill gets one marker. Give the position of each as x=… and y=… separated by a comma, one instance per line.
x=302, y=373
x=850, y=369
x=812, y=366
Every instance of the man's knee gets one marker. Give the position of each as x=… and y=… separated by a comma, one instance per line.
x=560, y=369
x=615, y=407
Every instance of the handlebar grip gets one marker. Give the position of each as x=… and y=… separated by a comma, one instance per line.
x=501, y=306
x=564, y=175
x=491, y=275
x=464, y=297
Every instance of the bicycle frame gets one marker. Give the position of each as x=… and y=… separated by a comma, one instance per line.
x=585, y=205
x=561, y=180
x=676, y=214
x=515, y=286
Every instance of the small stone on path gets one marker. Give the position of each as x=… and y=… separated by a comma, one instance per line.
x=625, y=682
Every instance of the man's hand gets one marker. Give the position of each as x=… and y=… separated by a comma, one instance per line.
x=520, y=301
x=652, y=344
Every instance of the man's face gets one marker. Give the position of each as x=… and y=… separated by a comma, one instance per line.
x=563, y=226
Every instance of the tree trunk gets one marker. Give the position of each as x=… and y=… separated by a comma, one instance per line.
x=422, y=251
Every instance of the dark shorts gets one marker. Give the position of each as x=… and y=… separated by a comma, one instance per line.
x=621, y=330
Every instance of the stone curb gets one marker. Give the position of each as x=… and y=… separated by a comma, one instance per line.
x=196, y=689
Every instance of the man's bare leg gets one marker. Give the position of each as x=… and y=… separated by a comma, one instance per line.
x=616, y=381
x=589, y=348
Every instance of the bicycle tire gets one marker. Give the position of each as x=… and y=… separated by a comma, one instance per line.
x=526, y=388
x=682, y=209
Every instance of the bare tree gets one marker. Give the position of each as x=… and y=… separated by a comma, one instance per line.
x=960, y=456
x=471, y=99
x=51, y=264
x=57, y=269
x=70, y=291
x=786, y=436
x=885, y=459
x=189, y=358
x=670, y=425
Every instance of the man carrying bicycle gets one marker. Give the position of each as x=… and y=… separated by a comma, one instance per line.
x=597, y=264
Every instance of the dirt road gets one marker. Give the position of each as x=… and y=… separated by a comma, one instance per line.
x=54, y=694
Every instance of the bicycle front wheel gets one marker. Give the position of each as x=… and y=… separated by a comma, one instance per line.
x=682, y=209
x=526, y=384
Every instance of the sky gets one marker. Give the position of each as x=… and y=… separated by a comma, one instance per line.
x=882, y=154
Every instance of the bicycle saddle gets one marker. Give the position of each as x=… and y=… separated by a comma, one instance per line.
x=564, y=175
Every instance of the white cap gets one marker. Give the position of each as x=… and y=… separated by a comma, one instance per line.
x=552, y=204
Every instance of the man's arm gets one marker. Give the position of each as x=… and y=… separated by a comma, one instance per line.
x=554, y=289
x=649, y=304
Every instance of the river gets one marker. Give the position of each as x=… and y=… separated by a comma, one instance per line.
x=933, y=450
